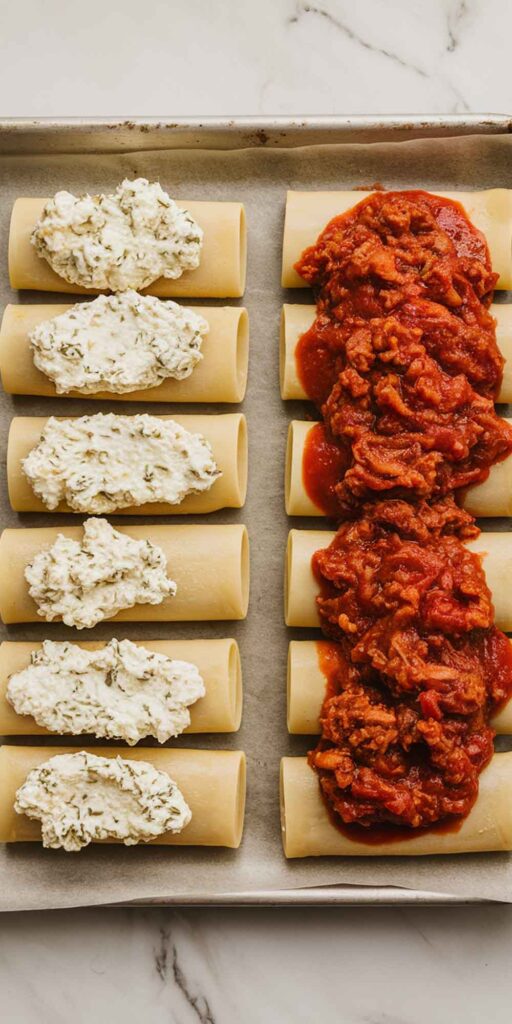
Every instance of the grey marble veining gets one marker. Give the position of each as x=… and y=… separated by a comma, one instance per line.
x=269, y=57
x=257, y=967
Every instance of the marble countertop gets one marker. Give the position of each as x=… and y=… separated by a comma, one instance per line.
x=256, y=966
x=243, y=57
x=446, y=966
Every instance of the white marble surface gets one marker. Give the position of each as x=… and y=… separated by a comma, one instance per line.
x=178, y=57
x=257, y=967
x=172, y=57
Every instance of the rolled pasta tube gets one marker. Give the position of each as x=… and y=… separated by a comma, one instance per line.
x=218, y=662
x=301, y=588
x=220, y=274
x=308, y=831
x=212, y=783
x=489, y=499
x=503, y=314
x=210, y=565
x=226, y=434
x=306, y=687
x=296, y=320
x=493, y=497
x=296, y=498
x=308, y=213
x=221, y=375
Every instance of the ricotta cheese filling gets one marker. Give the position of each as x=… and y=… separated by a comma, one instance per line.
x=83, y=582
x=82, y=798
x=124, y=240
x=118, y=343
x=121, y=691
x=104, y=462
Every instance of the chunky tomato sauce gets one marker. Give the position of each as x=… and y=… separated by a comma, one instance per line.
x=403, y=363
x=324, y=463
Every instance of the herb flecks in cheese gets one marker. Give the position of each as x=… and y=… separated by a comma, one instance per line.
x=121, y=691
x=118, y=343
x=105, y=462
x=124, y=240
x=82, y=798
x=83, y=582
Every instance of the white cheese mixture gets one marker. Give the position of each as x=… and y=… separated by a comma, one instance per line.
x=122, y=691
x=82, y=798
x=105, y=462
x=83, y=582
x=124, y=240
x=118, y=343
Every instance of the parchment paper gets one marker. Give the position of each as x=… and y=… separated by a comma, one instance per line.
x=33, y=878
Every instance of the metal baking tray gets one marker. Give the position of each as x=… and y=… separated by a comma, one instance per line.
x=315, y=896
x=54, y=140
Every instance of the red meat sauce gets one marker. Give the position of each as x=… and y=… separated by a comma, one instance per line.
x=403, y=363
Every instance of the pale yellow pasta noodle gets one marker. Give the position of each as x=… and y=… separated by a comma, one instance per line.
x=308, y=831
x=491, y=498
x=210, y=565
x=218, y=662
x=306, y=687
x=220, y=274
x=296, y=320
x=227, y=435
x=308, y=213
x=212, y=782
x=301, y=588
x=220, y=376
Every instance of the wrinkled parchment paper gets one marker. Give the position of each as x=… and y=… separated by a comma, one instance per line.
x=31, y=877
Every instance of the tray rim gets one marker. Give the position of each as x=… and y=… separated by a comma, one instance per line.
x=312, y=896
x=25, y=135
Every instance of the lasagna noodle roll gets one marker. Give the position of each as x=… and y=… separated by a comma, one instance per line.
x=218, y=662
x=489, y=499
x=220, y=274
x=308, y=213
x=212, y=783
x=226, y=434
x=306, y=687
x=301, y=587
x=308, y=831
x=210, y=565
x=296, y=320
x=220, y=376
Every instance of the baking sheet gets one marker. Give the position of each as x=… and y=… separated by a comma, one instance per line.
x=259, y=176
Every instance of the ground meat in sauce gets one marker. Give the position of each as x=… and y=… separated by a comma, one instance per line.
x=404, y=364
x=422, y=665
x=414, y=366
x=410, y=427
